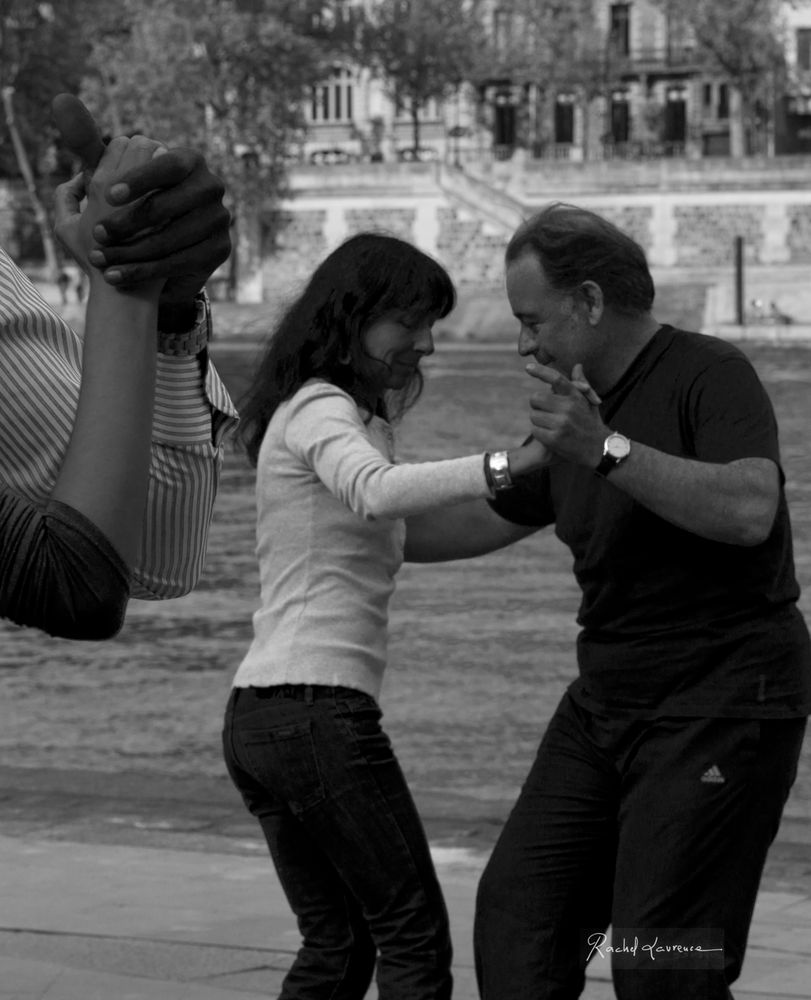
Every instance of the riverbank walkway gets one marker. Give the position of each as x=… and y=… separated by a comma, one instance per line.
x=89, y=921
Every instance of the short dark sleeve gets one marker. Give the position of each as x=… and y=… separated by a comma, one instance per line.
x=58, y=572
x=731, y=414
x=528, y=502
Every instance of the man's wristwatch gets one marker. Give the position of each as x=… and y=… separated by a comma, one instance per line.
x=497, y=471
x=616, y=448
x=184, y=330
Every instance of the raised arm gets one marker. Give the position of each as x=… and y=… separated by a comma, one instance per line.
x=104, y=472
x=166, y=219
x=65, y=561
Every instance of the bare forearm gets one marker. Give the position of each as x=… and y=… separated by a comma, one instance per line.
x=459, y=532
x=104, y=475
x=734, y=502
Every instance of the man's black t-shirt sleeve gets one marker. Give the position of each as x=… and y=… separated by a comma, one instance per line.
x=731, y=416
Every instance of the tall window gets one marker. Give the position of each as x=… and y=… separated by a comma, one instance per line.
x=332, y=100
x=803, y=48
x=620, y=117
x=620, y=28
x=676, y=115
x=564, y=118
x=723, y=100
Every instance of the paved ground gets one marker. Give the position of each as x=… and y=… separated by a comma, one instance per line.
x=84, y=921
x=146, y=887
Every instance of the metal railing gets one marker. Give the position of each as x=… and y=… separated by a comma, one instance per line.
x=639, y=150
x=650, y=57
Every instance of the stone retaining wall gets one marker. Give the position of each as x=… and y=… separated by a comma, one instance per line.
x=690, y=230
x=448, y=214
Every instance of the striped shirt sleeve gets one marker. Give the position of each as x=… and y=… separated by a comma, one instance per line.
x=40, y=372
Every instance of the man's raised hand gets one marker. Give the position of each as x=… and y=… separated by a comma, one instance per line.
x=168, y=222
x=565, y=415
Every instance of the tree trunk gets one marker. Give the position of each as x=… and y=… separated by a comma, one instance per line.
x=233, y=262
x=415, y=122
x=112, y=102
x=48, y=244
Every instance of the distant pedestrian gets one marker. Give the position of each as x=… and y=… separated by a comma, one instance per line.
x=63, y=284
x=302, y=737
x=80, y=287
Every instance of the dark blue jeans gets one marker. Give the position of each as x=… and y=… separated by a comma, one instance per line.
x=658, y=827
x=318, y=772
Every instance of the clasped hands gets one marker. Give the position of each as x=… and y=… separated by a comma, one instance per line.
x=166, y=220
x=565, y=418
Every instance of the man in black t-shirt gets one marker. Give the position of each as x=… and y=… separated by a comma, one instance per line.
x=662, y=776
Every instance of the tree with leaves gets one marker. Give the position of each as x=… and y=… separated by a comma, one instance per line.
x=42, y=50
x=550, y=47
x=744, y=41
x=228, y=77
x=421, y=49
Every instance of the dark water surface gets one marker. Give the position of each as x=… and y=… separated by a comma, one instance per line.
x=480, y=651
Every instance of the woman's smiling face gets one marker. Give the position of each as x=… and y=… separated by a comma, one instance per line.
x=393, y=348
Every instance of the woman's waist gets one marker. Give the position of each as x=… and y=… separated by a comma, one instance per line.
x=311, y=628
x=326, y=609
x=358, y=668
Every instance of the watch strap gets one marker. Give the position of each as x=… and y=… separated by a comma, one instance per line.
x=606, y=464
x=185, y=330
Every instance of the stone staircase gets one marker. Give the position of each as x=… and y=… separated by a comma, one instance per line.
x=474, y=227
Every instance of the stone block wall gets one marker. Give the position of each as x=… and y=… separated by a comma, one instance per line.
x=293, y=244
x=470, y=249
x=697, y=230
x=393, y=221
x=799, y=234
x=705, y=234
x=636, y=221
x=686, y=230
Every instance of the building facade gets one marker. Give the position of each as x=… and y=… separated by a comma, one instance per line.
x=648, y=93
x=793, y=111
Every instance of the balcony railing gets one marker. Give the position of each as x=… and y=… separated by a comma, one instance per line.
x=642, y=150
x=653, y=57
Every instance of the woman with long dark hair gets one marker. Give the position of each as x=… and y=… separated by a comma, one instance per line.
x=302, y=736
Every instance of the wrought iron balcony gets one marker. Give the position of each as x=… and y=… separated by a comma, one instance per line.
x=651, y=59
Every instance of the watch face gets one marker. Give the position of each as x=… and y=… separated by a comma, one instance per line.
x=617, y=446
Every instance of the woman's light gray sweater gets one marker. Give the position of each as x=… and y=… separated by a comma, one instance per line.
x=330, y=533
